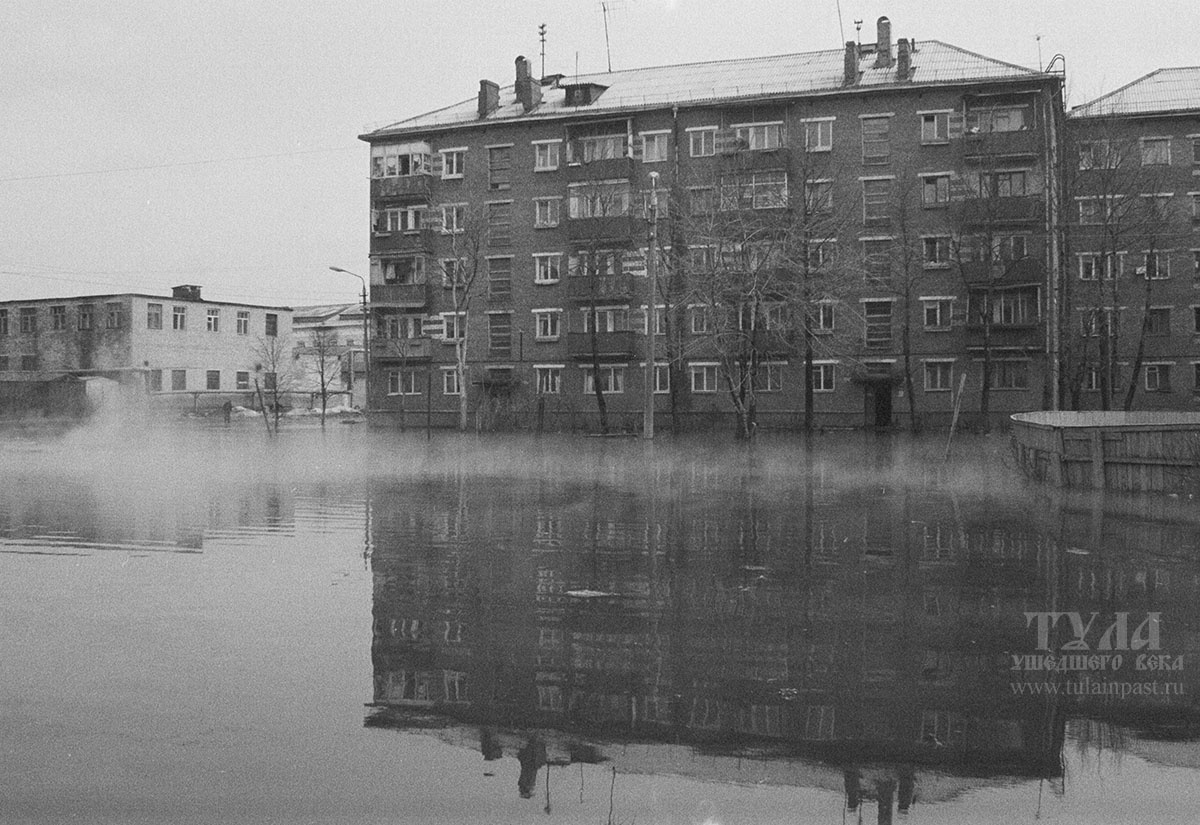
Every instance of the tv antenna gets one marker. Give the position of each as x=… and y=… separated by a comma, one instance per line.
x=607, y=6
x=542, y=38
x=858, y=31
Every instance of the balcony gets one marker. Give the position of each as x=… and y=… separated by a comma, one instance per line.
x=1021, y=143
x=401, y=349
x=1004, y=273
x=610, y=346
x=597, y=170
x=1017, y=209
x=779, y=158
x=407, y=188
x=400, y=295
x=1025, y=336
x=588, y=230
x=420, y=241
x=601, y=289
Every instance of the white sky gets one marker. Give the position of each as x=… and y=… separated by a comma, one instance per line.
x=236, y=123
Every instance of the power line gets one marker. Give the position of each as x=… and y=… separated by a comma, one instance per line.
x=209, y=162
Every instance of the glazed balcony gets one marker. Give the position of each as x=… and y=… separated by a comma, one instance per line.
x=610, y=346
x=412, y=188
x=400, y=295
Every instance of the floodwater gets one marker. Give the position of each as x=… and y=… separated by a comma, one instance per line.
x=206, y=626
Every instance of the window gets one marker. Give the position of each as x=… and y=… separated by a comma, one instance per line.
x=755, y=136
x=213, y=320
x=178, y=317
x=612, y=380
x=270, y=381
x=609, y=319
x=454, y=163
x=591, y=148
x=1157, y=377
x=1012, y=247
x=549, y=380
x=212, y=380
x=818, y=253
x=3, y=322
x=702, y=143
x=3, y=363
x=654, y=147
x=154, y=316
x=1156, y=266
x=454, y=218
x=1009, y=375
x=154, y=380
x=178, y=380
x=1091, y=380
x=877, y=194
x=403, y=382
x=704, y=377
x=28, y=319
x=818, y=135
x=242, y=380
x=701, y=320
x=823, y=377
x=499, y=333
x=399, y=161
x=878, y=316
x=935, y=190
x=1195, y=148
x=876, y=147
x=1004, y=184
x=701, y=200
x=272, y=325
x=243, y=322
x=545, y=155
x=1195, y=196
x=29, y=363
x=499, y=223
x=818, y=196
x=86, y=314
x=1097, y=154
x=1090, y=266
x=499, y=167
x=662, y=378
x=547, y=323
x=877, y=260
x=998, y=119
x=58, y=317
x=935, y=252
x=112, y=315
x=547, y=268
x=935, y=127
x=938, y=376
x=756, y=190
x=1156, y=151
x=398, y=220
x=454, y=272
x=1158, y=321
x=450, y=383
x=823, y=319
x=405, y=271
x=599, y=200
x=545, y=212
x=1195, y=267
x=937, y=313
x=1093, y=211
x=1009, y=308
x=499, y=278
x=455, y=325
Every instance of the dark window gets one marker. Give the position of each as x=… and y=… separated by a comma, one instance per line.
x=58, y=317
x=179, y=379
x=28, y=319
x=29, y=363
x=212, y=379
x=243, y=380
x=155, y=380
x=154, y=317
x=876, y=147
x=500, y=167
x=272, y=325
x=86, y=314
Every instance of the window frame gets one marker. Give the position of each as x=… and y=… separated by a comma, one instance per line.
x=940, y=118
x=823, y=133
x=547, y=155
x=708, y=140
x=937, y=373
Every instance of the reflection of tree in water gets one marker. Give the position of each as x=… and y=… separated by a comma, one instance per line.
x=804, y=620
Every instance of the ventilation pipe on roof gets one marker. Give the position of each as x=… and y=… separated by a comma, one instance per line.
x=489, y=98
x=850, y=64
x=883, y=44
x=903, y=60
x=185, y=292
x=529, y=91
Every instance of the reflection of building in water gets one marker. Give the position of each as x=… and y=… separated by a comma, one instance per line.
x=142, y=517
x=870, y=631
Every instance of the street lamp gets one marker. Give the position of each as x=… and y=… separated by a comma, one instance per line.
x=366, y=340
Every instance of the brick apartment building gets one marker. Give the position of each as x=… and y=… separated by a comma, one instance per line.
x=1133, y=282
x=179, y=348
x=873, y=219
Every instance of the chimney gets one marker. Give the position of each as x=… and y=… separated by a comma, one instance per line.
x=185, y=292
x=903, y=59
x=883, y=44
x=529, y=92
x=489, y=98
x=850, y=64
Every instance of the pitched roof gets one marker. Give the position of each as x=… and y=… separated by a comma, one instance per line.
x=1163, y=91
x=788, y=75
x=322, y=312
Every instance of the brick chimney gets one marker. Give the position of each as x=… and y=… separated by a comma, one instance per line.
x=850, y=64
x=529, y=92
x=489, y=98
x=903, y=59
x=185, y=292
x=883, y=44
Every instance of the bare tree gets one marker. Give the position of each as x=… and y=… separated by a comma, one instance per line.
x=463, y=275
x=273, y=376
x=324, y=359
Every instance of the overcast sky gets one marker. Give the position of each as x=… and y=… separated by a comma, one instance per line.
x=147, y=143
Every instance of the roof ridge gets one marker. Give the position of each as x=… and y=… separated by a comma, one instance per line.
x=706, y=63
x=985, y=57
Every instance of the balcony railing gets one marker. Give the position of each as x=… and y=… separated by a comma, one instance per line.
x=1027, y=335
x=420, y=241
x=400, y=295
x=755, y=159
x=610, y=346
x=603, y=288
x=1006, y=210
x=409, y=187
x=1023, y=142
x=612, y=228
x=597, y=170
x=401, y=349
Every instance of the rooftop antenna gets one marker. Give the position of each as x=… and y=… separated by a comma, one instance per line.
x=858, y=31
x=841, y=29
x=1038, y=37
x=542, y=37
x=605, y=7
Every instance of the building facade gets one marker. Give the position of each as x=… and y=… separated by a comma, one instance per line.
x=329, y=353
x=872, y=223
x=178, y=348
x=1133, y=282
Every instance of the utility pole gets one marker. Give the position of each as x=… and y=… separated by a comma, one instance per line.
x=651, y=313
x=366, y=341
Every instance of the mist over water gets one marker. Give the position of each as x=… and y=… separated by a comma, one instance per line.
x=201, y=623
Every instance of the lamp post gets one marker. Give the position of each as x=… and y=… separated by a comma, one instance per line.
x=366, y=341
x=652, y=294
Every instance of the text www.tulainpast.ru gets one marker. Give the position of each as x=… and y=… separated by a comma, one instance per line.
x=1098, y=687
